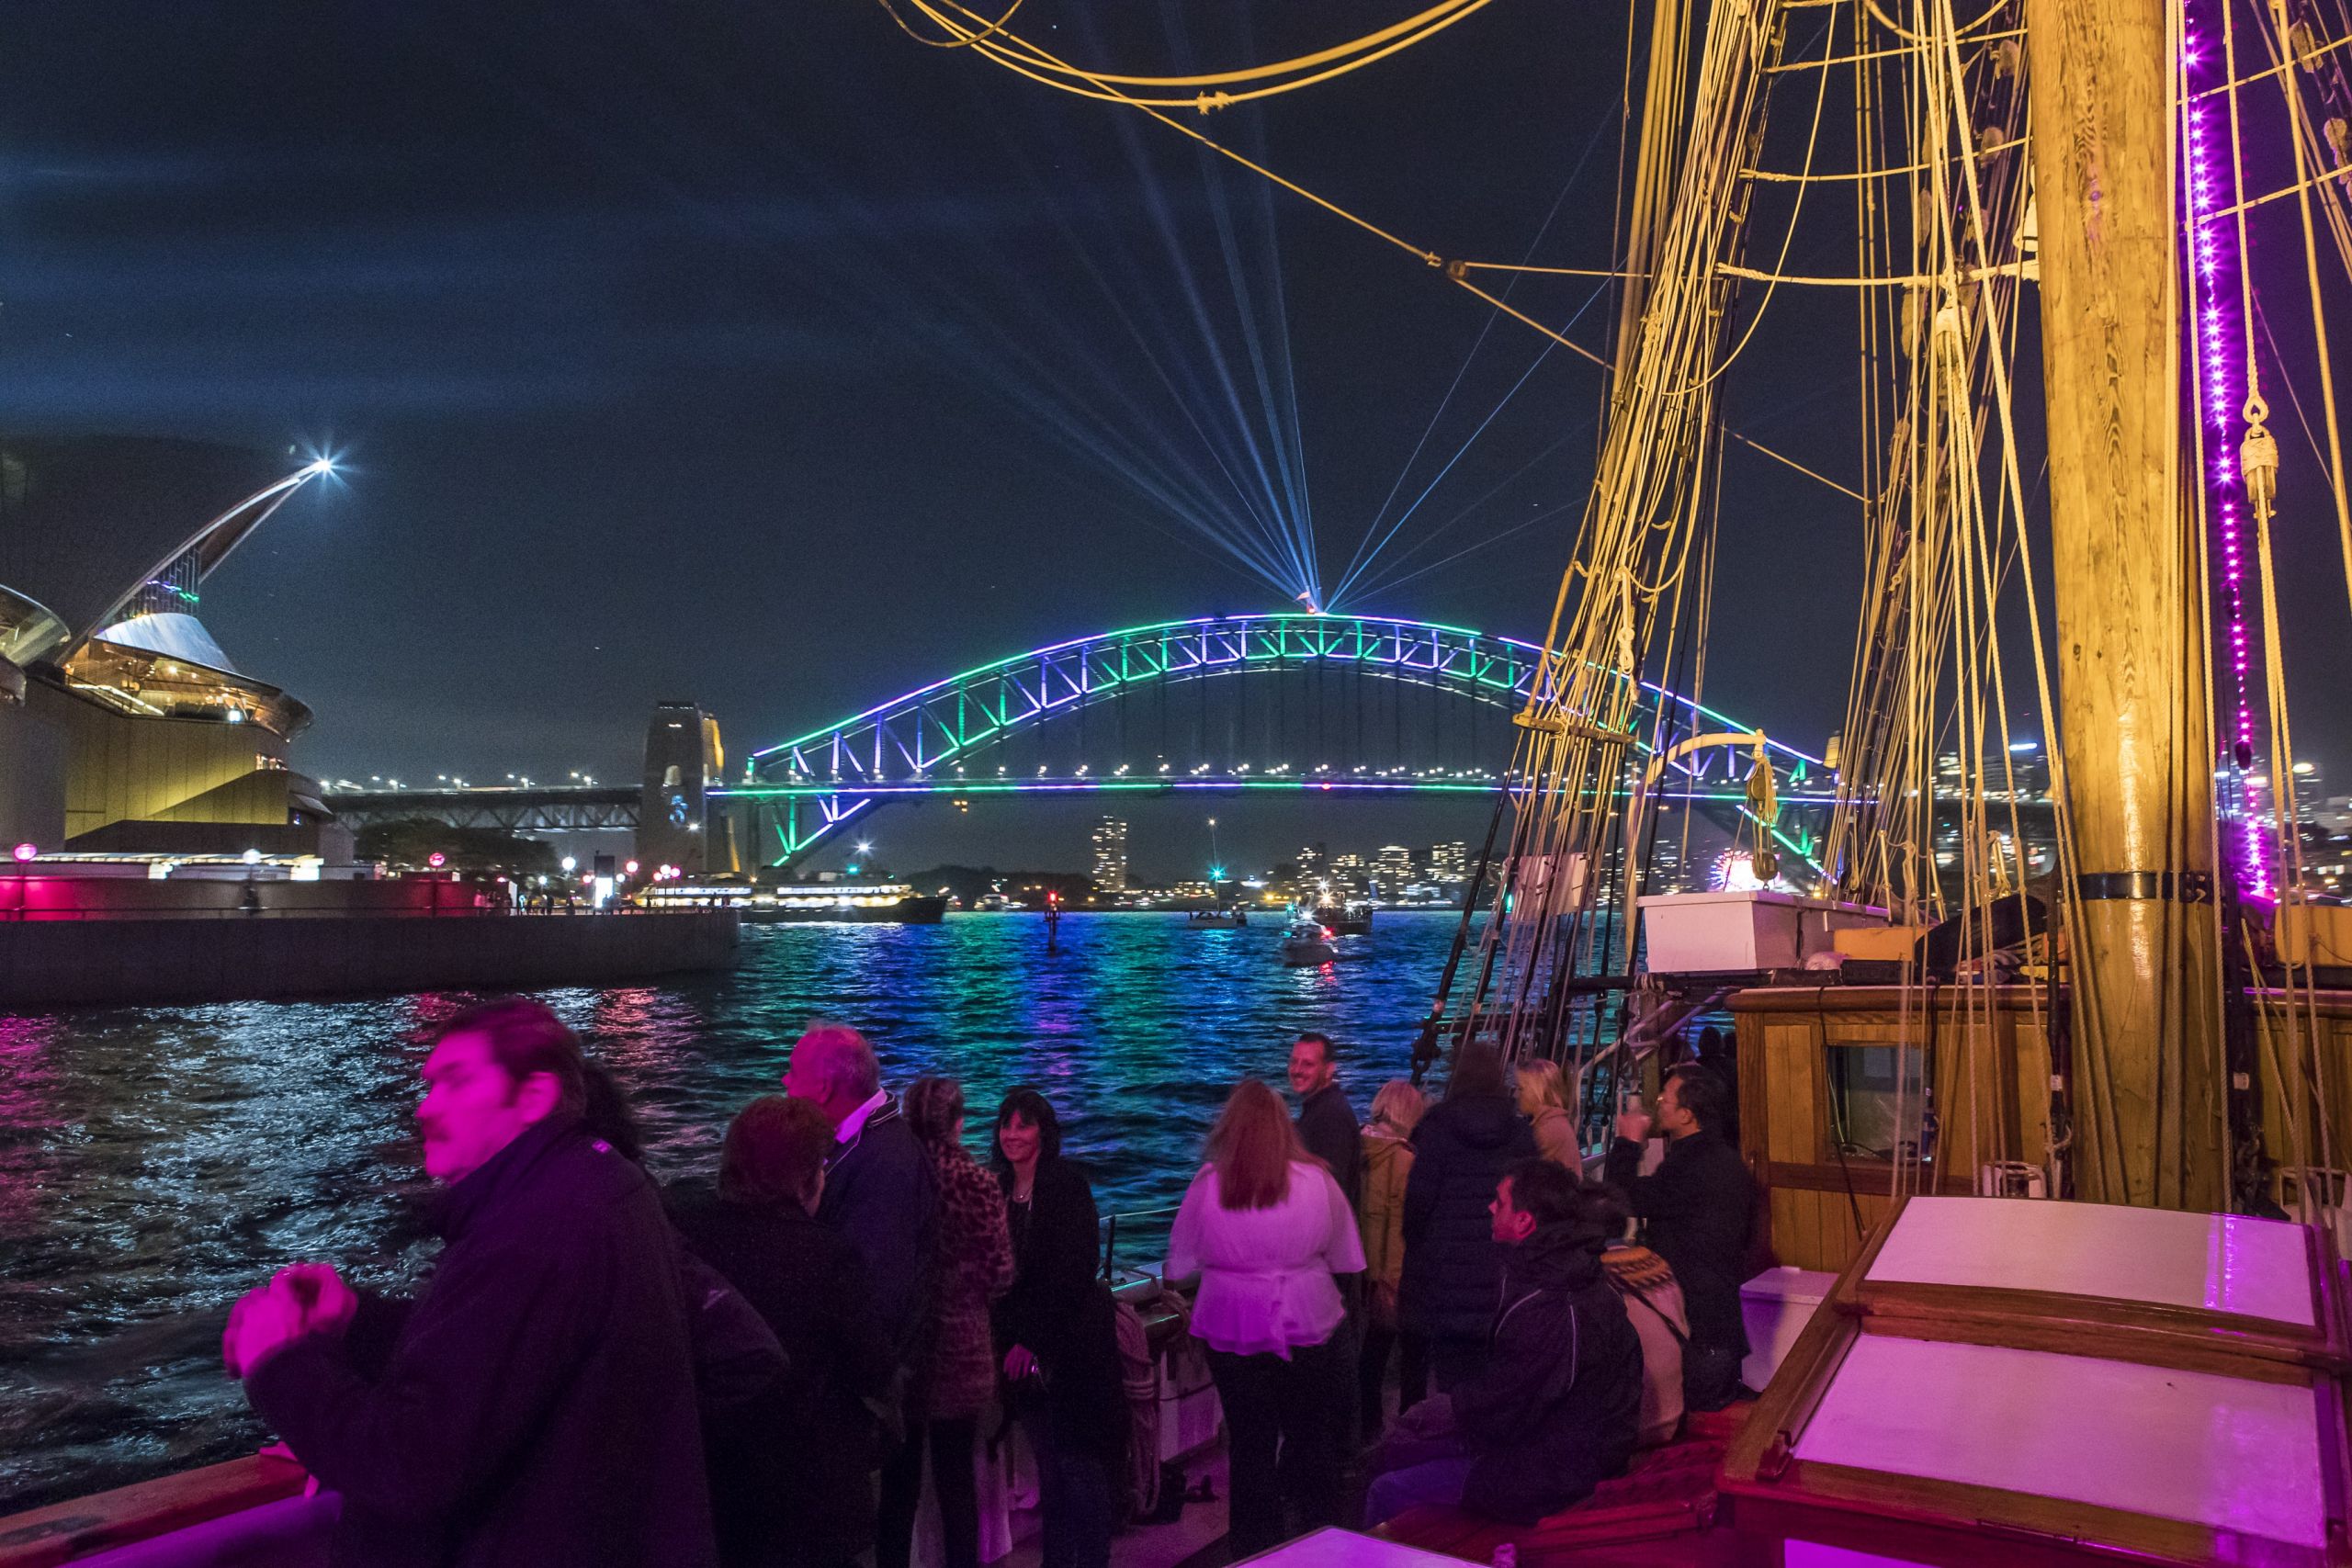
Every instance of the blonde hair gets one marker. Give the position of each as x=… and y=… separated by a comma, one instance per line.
x=1399, y=1104
x=1253, y=1147
x=1540, y=1085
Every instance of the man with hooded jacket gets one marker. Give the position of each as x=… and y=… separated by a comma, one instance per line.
x=1556, y=1410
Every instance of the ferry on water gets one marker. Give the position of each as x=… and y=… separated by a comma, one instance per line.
x=884, y=903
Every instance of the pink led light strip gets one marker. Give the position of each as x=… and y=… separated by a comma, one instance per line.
x=2210, y=177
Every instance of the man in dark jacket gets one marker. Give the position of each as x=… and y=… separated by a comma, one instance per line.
x=1453, y=1264
x=536, y=1403
x=1699, y=1206
x=1555, y=1413
x=1327, y=1122
x=878, y=1186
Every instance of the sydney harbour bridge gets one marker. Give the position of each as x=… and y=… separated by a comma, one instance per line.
x=1229, y=705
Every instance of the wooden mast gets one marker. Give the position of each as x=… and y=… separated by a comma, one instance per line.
x=2147, y=1086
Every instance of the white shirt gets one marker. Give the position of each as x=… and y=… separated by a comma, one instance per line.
x=1266, y=1273
x=855, y=1122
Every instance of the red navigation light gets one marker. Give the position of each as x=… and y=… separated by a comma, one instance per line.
x=26, y=851
x=436, y=860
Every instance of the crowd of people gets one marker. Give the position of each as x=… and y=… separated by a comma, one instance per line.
x=760, y=1366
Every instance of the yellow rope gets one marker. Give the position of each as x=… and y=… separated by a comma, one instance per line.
x=1785, y=176
x=1212, y=90
x=1547, y=271
x=962, y=41
x=1782, y=457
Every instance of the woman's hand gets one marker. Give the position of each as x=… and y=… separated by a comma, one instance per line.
x=1019, y=1364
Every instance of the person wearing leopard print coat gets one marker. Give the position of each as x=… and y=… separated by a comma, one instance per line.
x=955, y=1379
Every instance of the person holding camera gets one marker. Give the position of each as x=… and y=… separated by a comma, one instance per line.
x=1697, y=1210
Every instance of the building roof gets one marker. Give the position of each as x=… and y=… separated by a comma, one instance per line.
x=86, y=521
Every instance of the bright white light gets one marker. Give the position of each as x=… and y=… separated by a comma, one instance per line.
x=250, y=857
x=864, y=847
x=323, y=466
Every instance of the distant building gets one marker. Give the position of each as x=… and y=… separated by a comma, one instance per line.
x=1313, y=858
x=2311, y=793
x=124, y=728
x=1393, y=867
x=1111, y=855
x=2335, y=815
x=1449, y=861
x=2022, y=767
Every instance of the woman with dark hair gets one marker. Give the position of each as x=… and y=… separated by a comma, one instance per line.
x=789, y=1471
x=1264, y=1228
x=955, y=1371
x=1453, y=1267
x=1055, y=1334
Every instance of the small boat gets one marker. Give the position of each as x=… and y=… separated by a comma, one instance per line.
x=1352, y=918
x=1307, y=943
x=1217, y=919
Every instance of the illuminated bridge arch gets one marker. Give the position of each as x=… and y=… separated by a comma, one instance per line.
x=1355, y=704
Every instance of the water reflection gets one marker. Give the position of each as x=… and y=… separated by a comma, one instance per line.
x=155, y=1162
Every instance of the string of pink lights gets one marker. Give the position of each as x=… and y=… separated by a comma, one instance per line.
x=2216, y=260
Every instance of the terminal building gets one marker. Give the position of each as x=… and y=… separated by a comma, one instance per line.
x=125, y=728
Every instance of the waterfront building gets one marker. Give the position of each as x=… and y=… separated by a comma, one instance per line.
x=1393, y=868
x=1111, y=855
x=1449, y=861
x=124, y=725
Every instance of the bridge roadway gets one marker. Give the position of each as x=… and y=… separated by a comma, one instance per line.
x=538, y=808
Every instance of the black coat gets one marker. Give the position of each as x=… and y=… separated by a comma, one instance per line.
x=538, y=1403
x=1452, y=1265
x=1327, y=1126
x=1699, y=1208
x=788, y=1471
x=879, y=1192
x=1555, y=1413
x=1061, y=1310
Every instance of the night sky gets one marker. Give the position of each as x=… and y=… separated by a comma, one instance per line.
x=758, y=354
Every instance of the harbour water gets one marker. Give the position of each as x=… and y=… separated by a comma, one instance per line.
x=155, y=1162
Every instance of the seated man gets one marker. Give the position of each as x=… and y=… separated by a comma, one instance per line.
x=1555, y=1411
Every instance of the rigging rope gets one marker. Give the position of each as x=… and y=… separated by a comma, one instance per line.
x=1213, y=90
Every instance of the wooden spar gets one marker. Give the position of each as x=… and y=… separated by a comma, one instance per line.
x=2147, y=1080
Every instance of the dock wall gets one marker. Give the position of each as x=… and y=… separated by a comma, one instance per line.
x=130, y=961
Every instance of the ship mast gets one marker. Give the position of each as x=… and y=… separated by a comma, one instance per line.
x=2148, y=1079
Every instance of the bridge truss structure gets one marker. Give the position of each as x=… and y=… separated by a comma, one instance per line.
x=1223, y=704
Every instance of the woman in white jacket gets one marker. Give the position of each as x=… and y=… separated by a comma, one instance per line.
x=1264, y=1228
